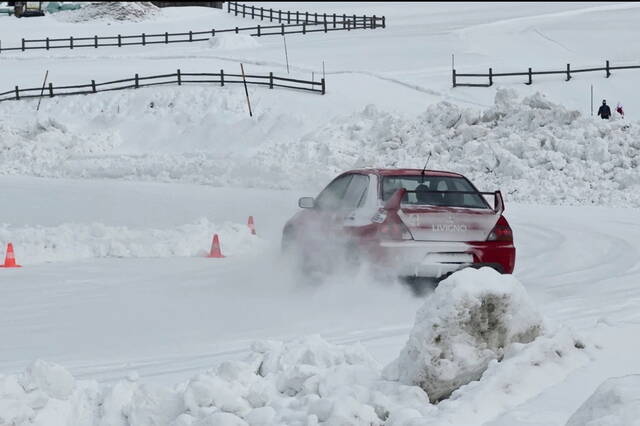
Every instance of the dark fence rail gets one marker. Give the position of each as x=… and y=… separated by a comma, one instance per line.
x=297, y=17
x=178, y=78
x=530, y=73
x=346, y=24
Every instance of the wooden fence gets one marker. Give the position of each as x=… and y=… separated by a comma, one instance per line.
x=344, y=23
x=178, y=78
x=530, y=73
x=297, y=17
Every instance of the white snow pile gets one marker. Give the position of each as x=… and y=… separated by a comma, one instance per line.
x=616, y=402
x=229, y=41
x=73, y=241
x=469, y=321
x=532, y=149
x=311, y=382
x=110, y=11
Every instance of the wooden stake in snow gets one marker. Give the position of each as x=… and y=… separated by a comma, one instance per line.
x=286, y=54
x=246, y=91
x=42, y=91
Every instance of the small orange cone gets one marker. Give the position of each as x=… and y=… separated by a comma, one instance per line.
x=215, y=248
x=251, y=225
x=10, y=259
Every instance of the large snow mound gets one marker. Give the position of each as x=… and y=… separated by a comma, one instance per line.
x=532, y=149
x=110, y=11
x=616, y=402
x=471, y=318
x=73, y=241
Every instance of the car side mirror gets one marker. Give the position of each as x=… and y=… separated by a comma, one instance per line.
x=306, y=202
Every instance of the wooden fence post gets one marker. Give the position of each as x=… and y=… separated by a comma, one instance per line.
x=253, y=10
x=334, y=20
x=325, y=26
x=144, y=39
x=17, y=93
x=608, y=72
x=384, y=23
x=315, y=18
x=568, y=72
x=166, y=37
x=297, y=17
x=23, y=45
x=323, y=86
x=137, y=82
x=261, y=13
x=453, y=77
x=258, y=30
x=270, y=15
x=235, y=8
x=179, y=77
x=93, y=86
x=243, y=10
x=71, y=42
x=95, y=41
x=304, y=28
x=490, y=77
x=288, y=16
x=237, y=30
x=373, y=22
x=279, y=16
x=221, y=77
x=282, y=27
x=119, y=40
x=530, y=82
x=306, y=17
x=271, y=80
x=228, y=7
x=190, y=35
x=47, y=43
x=50, y=90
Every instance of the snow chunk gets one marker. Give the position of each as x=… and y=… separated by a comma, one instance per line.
x=51, y=379
x=616, y=402
x=224, y=41
x=471, y=318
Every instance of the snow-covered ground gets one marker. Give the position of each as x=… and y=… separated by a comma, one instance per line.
x=111, y=202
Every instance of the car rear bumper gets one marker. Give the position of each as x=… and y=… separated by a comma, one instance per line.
x=439, y=258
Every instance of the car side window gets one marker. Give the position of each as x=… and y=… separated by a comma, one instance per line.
x=356, y=192
x=331, y=197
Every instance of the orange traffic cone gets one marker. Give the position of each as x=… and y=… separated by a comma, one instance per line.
x=10, y=259
x=251, y=225
x=215, y=248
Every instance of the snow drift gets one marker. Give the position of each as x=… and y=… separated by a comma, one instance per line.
x=310, y=381
x=470, y=320
x=75, y=241
x=532, y=149
x=616, y=402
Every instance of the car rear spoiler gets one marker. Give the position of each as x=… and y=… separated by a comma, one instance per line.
x=394, y=202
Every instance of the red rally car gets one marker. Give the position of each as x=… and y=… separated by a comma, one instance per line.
x=417, y=223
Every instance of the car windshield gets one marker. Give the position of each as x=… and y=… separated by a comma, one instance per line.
x=434, y=191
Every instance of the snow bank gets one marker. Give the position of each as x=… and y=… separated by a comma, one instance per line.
x=469, y=321
x=616, y=402
x=310, y=381
x=109, y=11
x=532, y=149
x=75, y=241
x=227, y=41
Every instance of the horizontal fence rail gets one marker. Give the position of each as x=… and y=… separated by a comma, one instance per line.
x=178, y=78
x=343, y=23
x=530, y=73
x=297, y=17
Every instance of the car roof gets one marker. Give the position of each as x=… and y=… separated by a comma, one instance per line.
x=405, y=172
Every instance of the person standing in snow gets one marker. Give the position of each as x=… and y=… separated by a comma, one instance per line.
x=604, y=111
x=619, y=110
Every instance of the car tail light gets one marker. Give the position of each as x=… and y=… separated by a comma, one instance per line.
x=394, y=229
x=501, y=232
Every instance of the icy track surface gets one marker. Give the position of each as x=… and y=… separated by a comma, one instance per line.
x=170, y=316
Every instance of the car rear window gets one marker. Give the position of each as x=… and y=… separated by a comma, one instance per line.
x=434, y=191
